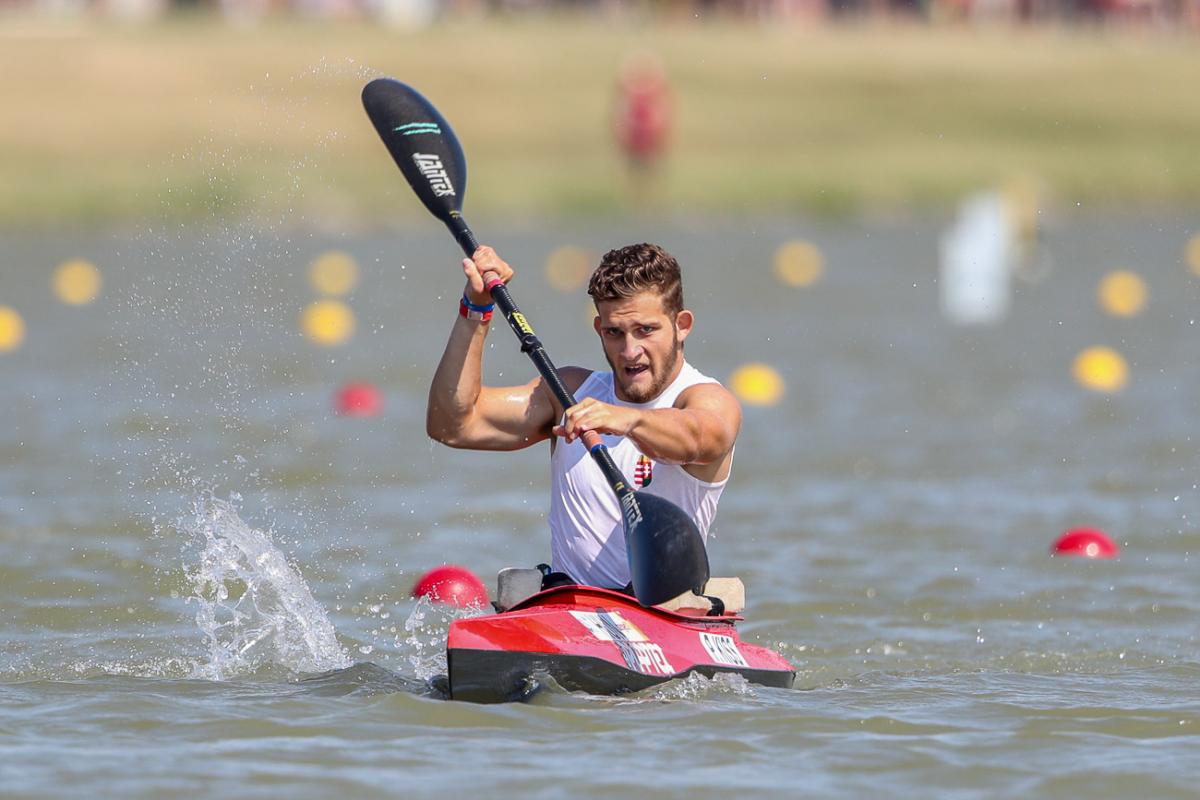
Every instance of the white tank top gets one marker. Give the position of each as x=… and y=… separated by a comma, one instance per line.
x=587, y=537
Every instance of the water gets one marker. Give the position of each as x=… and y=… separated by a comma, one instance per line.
x=269, y=617
x=205, y=572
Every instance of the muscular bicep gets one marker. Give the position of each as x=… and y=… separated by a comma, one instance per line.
x=510, y=417
x=715, y=416
x=515, y=417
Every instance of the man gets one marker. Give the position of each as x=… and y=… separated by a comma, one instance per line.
x=670, y=429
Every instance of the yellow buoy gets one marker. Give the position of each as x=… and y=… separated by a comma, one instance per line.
x=12, y=329
x=1101, y=369
x=333, y=273
x=1122, y=293
x=568, y=268
x=1192, y=254
x=757, y=384
x=327, y=322
x=77, y=282
x=799, y=264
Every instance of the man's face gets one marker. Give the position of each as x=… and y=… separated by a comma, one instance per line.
x=642, y=344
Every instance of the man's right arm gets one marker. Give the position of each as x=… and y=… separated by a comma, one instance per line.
x=464, y=413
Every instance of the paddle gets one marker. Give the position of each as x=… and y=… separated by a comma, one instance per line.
x=666, y=551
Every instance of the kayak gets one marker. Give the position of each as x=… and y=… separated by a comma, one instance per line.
x=598, y=641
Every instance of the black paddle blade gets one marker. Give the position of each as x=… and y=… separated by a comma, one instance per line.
x=421, y=142
x=666, y=551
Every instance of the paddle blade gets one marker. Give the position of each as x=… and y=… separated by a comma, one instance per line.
x=421, y=142
x=666, y=551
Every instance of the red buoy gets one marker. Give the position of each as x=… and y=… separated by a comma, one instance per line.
x=1085, y=542
x=452, y=585
x=358, y=400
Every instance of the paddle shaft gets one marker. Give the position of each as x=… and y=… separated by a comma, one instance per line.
x=532, y=346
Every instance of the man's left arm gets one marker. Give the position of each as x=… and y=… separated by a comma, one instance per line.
x=699, y=429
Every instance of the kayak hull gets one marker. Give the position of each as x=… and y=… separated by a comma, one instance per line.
x=597, y=641
x=502, y=677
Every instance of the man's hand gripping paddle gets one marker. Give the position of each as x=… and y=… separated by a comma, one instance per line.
x=666, y=551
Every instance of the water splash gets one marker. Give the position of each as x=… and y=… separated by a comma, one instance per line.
x=696, y=687
x=426, y=629
x=253, y=608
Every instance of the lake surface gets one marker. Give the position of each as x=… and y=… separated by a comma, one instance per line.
x=170, y=465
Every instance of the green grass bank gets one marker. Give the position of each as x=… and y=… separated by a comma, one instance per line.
x=192, y=120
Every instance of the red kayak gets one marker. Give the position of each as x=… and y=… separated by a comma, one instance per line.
x=597, y=641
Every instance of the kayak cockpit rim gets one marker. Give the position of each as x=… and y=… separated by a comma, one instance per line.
x=577, y=595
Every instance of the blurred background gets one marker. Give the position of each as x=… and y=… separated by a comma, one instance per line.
x=947, y=254
x=120, y=111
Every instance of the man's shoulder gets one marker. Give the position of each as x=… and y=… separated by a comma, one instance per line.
x=709, y=393
x=695, y=377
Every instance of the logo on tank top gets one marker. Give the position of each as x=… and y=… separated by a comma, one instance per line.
x=643, y=473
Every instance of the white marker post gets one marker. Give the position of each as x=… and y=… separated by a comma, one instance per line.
x=977, y=258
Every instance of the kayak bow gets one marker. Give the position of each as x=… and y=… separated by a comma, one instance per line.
x=597, y=641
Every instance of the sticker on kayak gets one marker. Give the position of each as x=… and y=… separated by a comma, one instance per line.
x=723, y=649
x=638, y=653
x=608, y=625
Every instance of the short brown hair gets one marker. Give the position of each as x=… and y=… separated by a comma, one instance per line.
x=638, y=268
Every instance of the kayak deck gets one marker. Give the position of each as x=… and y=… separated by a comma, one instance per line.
x=597, y=641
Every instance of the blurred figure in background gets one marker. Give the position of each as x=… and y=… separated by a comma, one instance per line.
x=642, y=119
